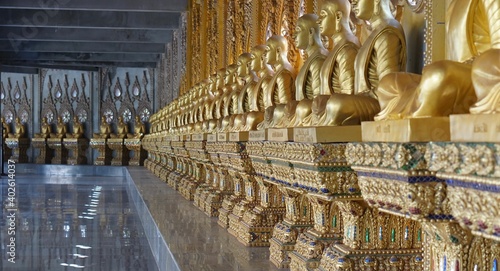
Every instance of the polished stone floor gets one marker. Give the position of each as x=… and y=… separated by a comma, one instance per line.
x=72, y=223
x=113, y=218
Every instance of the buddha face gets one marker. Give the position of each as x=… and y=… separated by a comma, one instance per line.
x=271, y=56
x=301, y=36
x=364, y=8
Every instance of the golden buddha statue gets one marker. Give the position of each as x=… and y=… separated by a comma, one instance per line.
x=5, y=128
x=218, y=101
x=60, y=129
x=104, y=129
x=240, y=96
x=121, y=129
x=78, y=130
x=19, y=130
x=383, y=52
x=453, y=85
x=307, y=84
x=279, y=92
x=45, y=129
x=231, y=88
x=262, y=73
x=139, y=129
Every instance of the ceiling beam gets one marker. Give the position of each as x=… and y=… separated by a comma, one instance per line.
x=16, y=35
x=18, y=69
x=113, y=5
x=89, y=19
x=83, y=47
x=80, y=64
x=82, y=57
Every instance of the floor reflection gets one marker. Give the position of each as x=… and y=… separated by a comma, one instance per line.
x=73, y=223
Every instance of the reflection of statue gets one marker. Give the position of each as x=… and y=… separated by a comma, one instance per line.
x=18, y=130
x=446, y=87
x=104, y=129
x=77, y=129
x=5, y=128
x=383, y=52
x=45, y=129
x=307, y=84
x=121, y=129
x=263, y=74
x=60, y=129
x=139, y=129
x=280, y=89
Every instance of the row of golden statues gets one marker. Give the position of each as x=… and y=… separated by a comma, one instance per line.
x=351, y=163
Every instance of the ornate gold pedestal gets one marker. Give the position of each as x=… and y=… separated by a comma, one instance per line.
x=77, y=148
x=121, y=153
x=7, y=152
x=19, y=148
x=137, y=154
x=104, y=157
x=61, y=153
x=180, y=155
x=44, y=157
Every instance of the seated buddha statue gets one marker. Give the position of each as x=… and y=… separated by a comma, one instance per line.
x=208, y=101
x=60, y=129
x=231, y=88
x=139, y=129
x=337, y=72
x=383, y=52
x=121, y=129
x=104, y=129
x=307, y=84
x=239, y=103
x=78, y=130
x=45, y=129
x=218, y=103
x=279, y=91
x=262, y=73
x=5, y=128
x=19, y=130
x=470, y=72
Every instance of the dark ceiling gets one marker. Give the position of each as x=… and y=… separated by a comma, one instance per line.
x=85, y=34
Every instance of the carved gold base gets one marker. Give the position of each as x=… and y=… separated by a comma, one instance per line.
x=257, y=135
x=18, y=147
x=407, y=130
x=104, y=157
x=44, y=157
x=283, y=242
x=121, y=153
x=227, y=208
x=201, y=195
x=61, y=153
x=137, y=154
x=308, y=251
x=280, y=134
x=187, y=187
x=236, y=215
x=77, y=148
x=342, y=258
x=257, y=225
x=213, y=203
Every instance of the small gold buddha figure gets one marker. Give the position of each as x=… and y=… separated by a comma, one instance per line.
x=453, y=85
x=19, y=130
x=139, y=129
x=383, y=52
x=5, y=128
x=240, y=103
x=209, y=107
x=121, y=129
x=104, y=129
x=307, y=84
x=60, y=129
x=280, y=90
x=262, y=73
x=218, y=102
x=78, y=130
x=45, y=129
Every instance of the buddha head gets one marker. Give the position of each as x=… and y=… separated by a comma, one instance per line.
x=333, y=16
x=231, y=74
x=44, y=120
x=257, y=62
x=243, y=64
x=219, y=79
x=276, y=50
x=307, y=31
x=368, y=9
